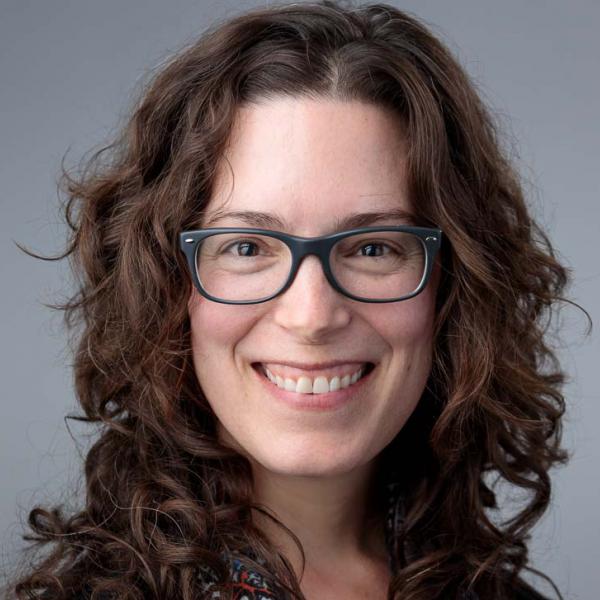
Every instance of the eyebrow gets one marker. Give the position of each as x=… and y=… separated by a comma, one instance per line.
x=265, y=220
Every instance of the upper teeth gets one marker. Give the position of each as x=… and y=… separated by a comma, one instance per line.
x=320, y=385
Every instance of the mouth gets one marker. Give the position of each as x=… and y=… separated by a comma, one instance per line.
x=325, y=382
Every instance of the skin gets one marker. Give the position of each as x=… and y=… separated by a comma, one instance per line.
x=309, y=161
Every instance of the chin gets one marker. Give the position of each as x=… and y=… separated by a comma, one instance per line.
x=305, y=463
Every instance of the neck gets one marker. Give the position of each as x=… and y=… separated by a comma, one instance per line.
x=336, y=518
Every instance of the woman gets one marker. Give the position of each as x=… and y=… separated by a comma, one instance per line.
x=312, y=304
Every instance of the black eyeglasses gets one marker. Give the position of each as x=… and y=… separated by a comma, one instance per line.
x=235, y=265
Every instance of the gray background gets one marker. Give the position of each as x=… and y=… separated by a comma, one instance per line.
x=68, y=73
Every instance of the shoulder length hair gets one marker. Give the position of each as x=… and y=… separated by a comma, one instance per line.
x=163, y=497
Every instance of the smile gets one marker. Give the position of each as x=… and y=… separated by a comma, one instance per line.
x=317, y=385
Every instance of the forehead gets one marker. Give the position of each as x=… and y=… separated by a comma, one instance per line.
x=310, y=160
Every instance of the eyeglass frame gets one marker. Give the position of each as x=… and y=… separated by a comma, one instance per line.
x=320, y=246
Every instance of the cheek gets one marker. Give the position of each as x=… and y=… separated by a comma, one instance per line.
x=409, y=335
x=408, y=324
x=216, y=326
x=215, y=332
x=407, y=330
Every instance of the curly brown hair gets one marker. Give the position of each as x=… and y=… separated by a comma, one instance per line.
x=163, y=495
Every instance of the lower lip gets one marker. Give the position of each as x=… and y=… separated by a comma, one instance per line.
x=315, y=402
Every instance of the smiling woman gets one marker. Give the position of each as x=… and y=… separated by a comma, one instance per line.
x=313, y=306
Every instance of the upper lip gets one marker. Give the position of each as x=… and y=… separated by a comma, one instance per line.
x=314, y=366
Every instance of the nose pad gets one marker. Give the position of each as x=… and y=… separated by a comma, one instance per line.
x=314, y=264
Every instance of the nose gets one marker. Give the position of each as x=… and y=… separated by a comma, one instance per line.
x=310, y=308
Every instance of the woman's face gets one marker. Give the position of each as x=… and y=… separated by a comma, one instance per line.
x=311, y=163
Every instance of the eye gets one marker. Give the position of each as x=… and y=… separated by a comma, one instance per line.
x=242, y=247
x=373, y=246
x=245, y=248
